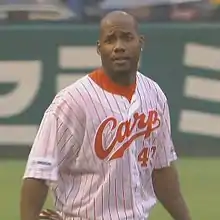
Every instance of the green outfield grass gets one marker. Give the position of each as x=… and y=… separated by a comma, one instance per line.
x=200, y=179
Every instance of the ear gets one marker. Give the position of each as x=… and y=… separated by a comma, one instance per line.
x=98, y=47
x=141, y=41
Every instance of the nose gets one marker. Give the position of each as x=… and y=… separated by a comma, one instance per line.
x=119, y=46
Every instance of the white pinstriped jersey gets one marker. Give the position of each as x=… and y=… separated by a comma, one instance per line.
x=97, y=150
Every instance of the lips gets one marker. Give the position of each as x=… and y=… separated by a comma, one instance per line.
x=122, y=60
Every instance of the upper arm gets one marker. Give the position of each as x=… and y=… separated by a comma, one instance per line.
x=165, y=149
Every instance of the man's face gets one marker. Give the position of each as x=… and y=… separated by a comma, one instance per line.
x=119, y=47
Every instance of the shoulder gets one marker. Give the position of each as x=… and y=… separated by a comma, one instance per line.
x=152, y=87
x=69, y=100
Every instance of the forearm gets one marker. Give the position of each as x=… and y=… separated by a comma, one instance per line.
x=33, y=196
x=167, y=190
x=175, y=205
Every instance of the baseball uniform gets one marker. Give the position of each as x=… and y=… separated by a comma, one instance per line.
x=98, y=144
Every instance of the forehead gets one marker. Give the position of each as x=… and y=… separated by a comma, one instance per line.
x=118, y=26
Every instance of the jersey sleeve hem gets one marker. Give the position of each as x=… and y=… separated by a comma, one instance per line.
x=167, y=163
x=48, y=177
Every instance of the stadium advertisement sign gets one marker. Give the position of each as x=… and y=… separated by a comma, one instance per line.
x=42, y=63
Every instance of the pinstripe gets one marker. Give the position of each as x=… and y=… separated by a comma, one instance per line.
x=71, y=189
x=70, y=119
x=123, y=193
x=145, y=90
x=102, y=203
x=73, y=197
x=46, y=146
x=58, y=142
x=164, y=135
x=90, y=139
x=141, y=91
x=109, y=180
x=103, y=170
x=109, y=194
x=94, y=209
x=163, y=146
x=116, y=197
x=116, y=205
x=63, y=143
x=80, y=206
x=72, y=113
x=85, y=186
x=90, y=187
x=131, y=190
x=145, y=105
x=63, y=191
x=93, y=156
x=65, y=156
x=40, y=132
x=154, y=104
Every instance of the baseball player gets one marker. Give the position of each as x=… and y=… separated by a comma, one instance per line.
x=104, y=145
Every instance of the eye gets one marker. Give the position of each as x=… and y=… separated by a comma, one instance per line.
x=128, y=37
x=109, y=39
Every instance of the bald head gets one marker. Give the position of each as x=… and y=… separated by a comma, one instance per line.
x=119, y=17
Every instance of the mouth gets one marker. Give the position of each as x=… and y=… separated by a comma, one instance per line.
x=120, y=60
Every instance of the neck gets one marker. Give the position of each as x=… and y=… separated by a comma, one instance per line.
x=123, y=79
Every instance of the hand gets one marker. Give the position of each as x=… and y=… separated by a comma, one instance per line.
x=49, y=215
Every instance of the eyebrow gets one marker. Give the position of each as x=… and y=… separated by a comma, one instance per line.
x=123, y=32
x=128, y=33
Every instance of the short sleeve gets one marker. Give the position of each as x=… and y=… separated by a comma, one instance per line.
x=165, y=149
x=50, y=148
x=59, y=137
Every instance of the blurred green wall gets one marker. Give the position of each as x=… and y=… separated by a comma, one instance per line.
x=38, y=60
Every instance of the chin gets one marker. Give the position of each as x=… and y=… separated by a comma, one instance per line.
x=122, y=70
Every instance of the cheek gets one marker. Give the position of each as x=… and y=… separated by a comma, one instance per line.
x=105, y=53
x=135, y=48
x=136, y=53
x=105, y=59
